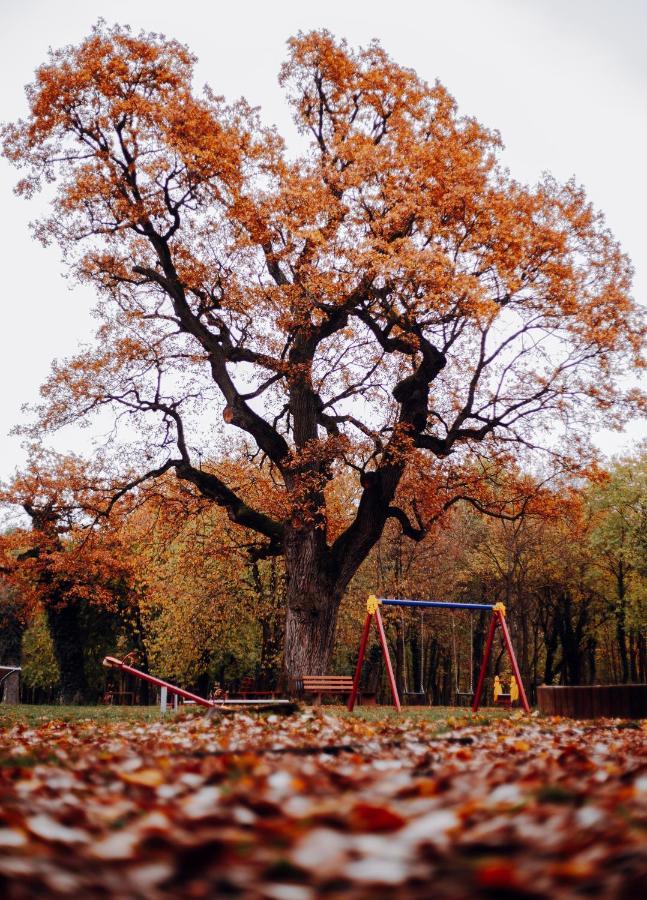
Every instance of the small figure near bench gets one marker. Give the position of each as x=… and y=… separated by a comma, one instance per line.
x=248, y=690
x=501, y=698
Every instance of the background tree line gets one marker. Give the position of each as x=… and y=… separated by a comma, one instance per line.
x=169, y=576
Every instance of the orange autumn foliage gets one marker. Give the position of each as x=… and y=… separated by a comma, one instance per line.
x=392, y=295
x=57, y=558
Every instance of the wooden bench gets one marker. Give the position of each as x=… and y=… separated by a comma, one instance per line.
x=324, y=684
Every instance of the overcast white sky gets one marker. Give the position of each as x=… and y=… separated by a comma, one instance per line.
x=564, y=81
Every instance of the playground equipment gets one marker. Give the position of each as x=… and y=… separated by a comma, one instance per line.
x=470, y=692
x=420, y=693
x=215, y=703
x=497, y=621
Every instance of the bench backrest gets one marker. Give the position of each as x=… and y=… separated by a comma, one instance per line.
x=323, y=682
x=314, y=684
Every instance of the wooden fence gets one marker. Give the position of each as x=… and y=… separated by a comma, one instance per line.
x=624, y=701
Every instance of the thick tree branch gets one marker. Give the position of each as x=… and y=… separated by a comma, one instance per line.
x=240, y=414
x=241, y=513
x=416, y=534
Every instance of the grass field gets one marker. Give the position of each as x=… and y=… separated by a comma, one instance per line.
x=38, y=715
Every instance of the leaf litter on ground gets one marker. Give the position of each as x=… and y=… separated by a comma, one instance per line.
x=322, y=805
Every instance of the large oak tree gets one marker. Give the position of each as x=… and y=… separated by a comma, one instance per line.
x=389, y=294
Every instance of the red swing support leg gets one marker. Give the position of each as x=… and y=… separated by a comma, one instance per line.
x=498, y=618
x=484, y=662
x=373, y=610
x=387, y=660
x=360, y=660
x=513, y=660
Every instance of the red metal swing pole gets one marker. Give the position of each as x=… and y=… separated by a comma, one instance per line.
x=387, y=660
x=513, y=659
x=111, y=662
x=484, y=662
x=360, y=660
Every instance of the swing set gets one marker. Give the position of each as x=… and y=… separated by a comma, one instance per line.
x=470, y=692
x=497, y=621
x=421, y=692
x=421, y=689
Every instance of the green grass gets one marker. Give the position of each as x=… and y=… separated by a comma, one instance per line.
x=40, y=715
x=420, y=713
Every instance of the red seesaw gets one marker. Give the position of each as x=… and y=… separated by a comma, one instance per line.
x=112, y=663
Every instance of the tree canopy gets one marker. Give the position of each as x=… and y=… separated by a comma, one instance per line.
x=391, y=295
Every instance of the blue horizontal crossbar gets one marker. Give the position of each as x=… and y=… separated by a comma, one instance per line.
x=437, y=604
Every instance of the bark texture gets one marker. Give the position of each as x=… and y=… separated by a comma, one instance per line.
x=312, y=604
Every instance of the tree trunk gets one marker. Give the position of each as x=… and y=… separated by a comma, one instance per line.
x=621, y=637
x=551, y=634
x=271, y=644
x=633, y=655
x=642, y=658
x=592, y=647
x=65, y=629
x=310, y=632
x=10, y=687
x=271, y=620
x=135, y=630
x=312, y=604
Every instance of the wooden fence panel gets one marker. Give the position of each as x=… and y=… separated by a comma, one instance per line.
x=614, y=701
